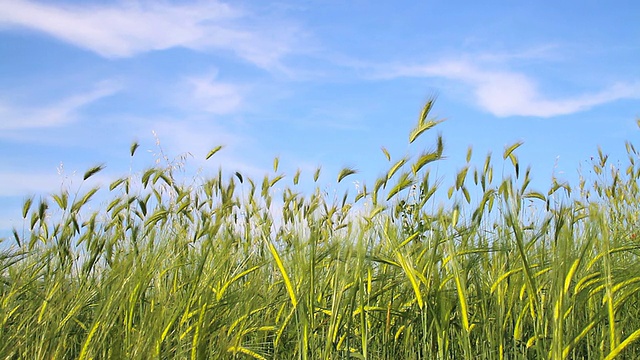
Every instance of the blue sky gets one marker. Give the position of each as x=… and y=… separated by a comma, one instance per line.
x=312, y=82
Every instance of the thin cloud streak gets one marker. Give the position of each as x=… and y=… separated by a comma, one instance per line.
x=214, y=96
x=62, y=113
x=129, y=28
x=506, y=93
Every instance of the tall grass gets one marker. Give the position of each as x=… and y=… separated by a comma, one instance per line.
x=221, y=268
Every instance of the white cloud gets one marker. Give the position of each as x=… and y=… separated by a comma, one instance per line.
x=214, y=96
x=127, y=28
x=59, y=114
x=506, y=93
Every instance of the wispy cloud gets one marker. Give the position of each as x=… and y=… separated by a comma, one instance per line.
x=209, y=94
x=128, y=28
x=61, y=113
x=507, y=93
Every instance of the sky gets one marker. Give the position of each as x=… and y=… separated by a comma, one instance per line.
x=314, y=83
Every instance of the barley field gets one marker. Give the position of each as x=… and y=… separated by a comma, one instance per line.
x=406, y=267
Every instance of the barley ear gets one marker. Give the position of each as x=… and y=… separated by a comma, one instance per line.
x=346, y=172
x=213, y=151
x=134, y=147
x=93, y=171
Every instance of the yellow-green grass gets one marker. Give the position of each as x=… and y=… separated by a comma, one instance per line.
x=219, y=269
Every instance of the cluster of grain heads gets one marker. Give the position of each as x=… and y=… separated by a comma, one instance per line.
x=232, y=267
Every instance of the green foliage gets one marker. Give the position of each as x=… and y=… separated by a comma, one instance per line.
x=214, y=269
